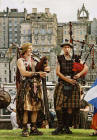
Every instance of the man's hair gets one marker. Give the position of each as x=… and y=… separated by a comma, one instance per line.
x=25, y=47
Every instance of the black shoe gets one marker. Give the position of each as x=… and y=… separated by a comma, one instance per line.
x=58, y=131
x=67, y=130
x=25, y=133
x=35, y=132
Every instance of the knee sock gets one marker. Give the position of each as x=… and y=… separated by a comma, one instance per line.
x=67, y=118
x=60, y=118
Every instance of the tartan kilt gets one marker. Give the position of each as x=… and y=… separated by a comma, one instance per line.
x=62, y=100
x=25, y=101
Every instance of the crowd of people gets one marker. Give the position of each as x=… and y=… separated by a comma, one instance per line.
x=69, y=104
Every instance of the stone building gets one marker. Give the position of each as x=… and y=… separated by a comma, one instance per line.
x=8, y=69
x=4, y=70
x=10, y=21
x=94, y=29
x=42, y=27
x=46, y=34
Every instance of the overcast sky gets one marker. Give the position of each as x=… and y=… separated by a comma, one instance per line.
x=66, y=10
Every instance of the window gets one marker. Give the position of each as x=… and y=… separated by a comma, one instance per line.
x=10, y=24
x=29, y=39
x=96, y=40
x=24, y=32
x=36, y=37
x=50, y=31
x=0, y=79
x=15, y=24
x=14, y=78
x=10, y=35
x=15, y=29
x=36, y=42
x=5, y=71
x=4, y=113
x=29, y=32
x=65, y=32
x=10, y=29
x=80, y=32
x=10, y=39
x=42, y=31
x=42, y=37
x=15, y=21
x=15, y=40
x=10, y=21
x=15, y=35
x=49, y=39
x=5, y=80
x=14, y=69
x=21, y=20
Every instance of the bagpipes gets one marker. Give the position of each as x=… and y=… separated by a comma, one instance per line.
x=77, y=66
x=40, y=66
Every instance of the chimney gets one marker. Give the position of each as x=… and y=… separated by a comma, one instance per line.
x=34, y=10
x=47, y=10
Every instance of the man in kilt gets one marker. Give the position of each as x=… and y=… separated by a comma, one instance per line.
x=67, y=91
x=29, y=94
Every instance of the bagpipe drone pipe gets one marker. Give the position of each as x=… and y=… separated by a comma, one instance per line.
x=40, y=67
x=77, y=65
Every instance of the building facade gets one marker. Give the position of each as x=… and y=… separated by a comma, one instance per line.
x=10, y=21
x=46, y=34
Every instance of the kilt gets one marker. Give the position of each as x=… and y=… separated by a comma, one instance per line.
x=64, y=98
x=29, y=98
x=30, y=103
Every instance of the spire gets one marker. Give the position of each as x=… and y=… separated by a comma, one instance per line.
x=83, y=7
x=82, y=14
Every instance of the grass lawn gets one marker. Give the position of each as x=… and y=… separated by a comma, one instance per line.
x=78, y=134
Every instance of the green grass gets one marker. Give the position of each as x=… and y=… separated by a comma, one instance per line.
x=78, y=134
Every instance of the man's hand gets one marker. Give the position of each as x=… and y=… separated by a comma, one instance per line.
x=77, y=76
x=42, y=74
x=72, y=81
x=86, y=109
x=47, y=69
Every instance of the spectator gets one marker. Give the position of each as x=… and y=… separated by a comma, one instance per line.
x=83, y=112
x=94, y=123
x=12, y=109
